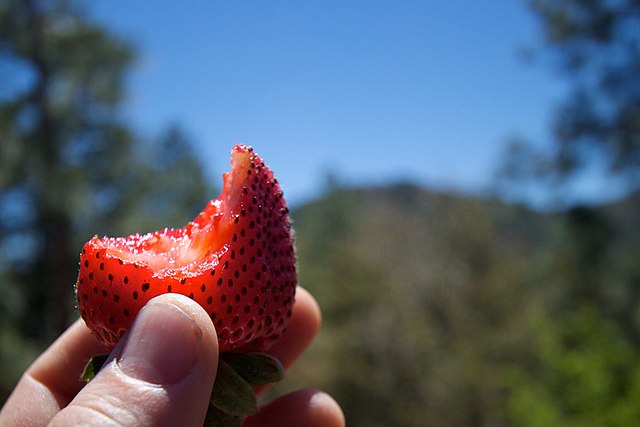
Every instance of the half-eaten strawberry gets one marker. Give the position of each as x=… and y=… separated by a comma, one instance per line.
x=236, y=259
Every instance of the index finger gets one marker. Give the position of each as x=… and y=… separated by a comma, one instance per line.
x=303, y=327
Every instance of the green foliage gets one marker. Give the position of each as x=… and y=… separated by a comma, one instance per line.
x=587, y=374
x=445, y=310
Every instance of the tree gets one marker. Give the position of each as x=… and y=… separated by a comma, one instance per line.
x=596, y=43
x=70, y=167
x=584, y=369
x=587, y=375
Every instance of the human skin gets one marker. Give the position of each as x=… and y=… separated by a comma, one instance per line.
x=161, y=373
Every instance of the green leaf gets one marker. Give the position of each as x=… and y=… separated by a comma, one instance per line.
x=93, y=366
x=255, y=368
x=217, y=418
x=231, y=393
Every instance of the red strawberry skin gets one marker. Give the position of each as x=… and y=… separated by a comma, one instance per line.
x=236, y=259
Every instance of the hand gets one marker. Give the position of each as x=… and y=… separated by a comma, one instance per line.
x=161, y=373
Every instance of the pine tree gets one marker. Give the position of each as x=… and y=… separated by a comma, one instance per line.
x=70, y=165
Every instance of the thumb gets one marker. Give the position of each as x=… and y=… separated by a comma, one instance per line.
x=161, y=372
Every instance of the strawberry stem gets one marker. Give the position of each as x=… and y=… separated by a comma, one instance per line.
x=233, y=396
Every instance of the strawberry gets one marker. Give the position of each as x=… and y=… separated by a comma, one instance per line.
x=236, y=259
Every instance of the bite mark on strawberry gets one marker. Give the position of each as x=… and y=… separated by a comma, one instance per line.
x=236, y=259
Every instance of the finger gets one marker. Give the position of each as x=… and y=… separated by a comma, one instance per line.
x=309, y=408
x=53, y=379
x=302, y=329
x=161, y=373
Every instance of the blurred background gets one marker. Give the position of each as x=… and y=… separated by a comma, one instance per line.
x=464, y=182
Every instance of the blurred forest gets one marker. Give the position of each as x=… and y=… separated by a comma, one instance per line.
x=439, y=309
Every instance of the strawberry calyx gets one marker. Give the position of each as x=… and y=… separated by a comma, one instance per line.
x=232, y=397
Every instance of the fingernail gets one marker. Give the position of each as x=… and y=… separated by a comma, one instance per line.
x=162, y=345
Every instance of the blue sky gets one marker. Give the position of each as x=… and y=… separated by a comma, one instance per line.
x=372, y=91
